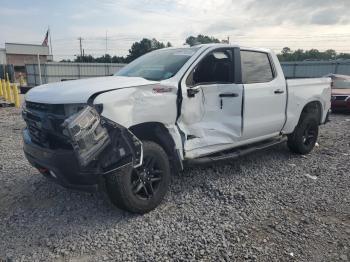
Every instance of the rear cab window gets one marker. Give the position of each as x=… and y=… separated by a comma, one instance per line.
x=256, y=67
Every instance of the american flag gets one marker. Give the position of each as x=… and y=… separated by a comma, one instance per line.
x=46, y=39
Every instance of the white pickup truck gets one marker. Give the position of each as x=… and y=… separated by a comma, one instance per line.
x=168, y=109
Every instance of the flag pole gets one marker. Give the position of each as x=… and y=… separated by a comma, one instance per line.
x=50, y=43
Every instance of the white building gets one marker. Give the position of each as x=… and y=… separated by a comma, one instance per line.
x=18, y=55
x=2, y=56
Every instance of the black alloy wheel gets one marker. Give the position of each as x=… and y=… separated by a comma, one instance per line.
x=305, y=135
x=310, y=135
x=146, y=179
x=140, y=190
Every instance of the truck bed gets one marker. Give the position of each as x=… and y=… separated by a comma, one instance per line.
x=303, y=91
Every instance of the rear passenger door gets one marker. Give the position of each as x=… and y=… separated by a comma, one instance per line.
x=265, y=96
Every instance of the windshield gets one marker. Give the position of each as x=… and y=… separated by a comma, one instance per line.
x=158, y=65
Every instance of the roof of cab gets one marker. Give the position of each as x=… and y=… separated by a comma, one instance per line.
x=230, y=45
x=218, y=45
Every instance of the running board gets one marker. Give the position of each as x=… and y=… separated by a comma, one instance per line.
x=237, y=152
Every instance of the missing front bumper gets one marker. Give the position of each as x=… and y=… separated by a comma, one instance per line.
x=99, y=146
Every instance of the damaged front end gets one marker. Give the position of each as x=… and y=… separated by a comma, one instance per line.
x=87, y=136
x=98, y=139
x=76, y=150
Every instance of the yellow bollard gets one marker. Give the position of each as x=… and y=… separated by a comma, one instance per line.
x=9, y=93
x=1, y=92
x=21, y=80
x=4, y=89
x=16, y=96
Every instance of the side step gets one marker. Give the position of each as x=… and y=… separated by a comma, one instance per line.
x=235, y=153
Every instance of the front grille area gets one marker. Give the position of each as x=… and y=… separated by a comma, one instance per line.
x=47, y=108
x=46, y=130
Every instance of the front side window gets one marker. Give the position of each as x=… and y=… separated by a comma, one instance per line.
x=159, y=65
x=256, y=67
x=215, y=68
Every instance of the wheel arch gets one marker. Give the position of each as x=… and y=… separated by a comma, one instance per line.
x=158, y=133
x=313, y=107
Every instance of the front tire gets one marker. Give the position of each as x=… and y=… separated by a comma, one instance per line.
x=305, y=135
x=142, y=189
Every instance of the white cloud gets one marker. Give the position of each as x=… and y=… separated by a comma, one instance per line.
x=10, y=12
x=272, y=24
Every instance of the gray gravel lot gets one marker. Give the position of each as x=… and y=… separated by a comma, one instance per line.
x=268, y=206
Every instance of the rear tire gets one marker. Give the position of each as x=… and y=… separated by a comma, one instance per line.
x=305, y=135
x=142, y=189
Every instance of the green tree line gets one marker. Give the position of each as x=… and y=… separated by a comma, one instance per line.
x=140, y=48
x=313, y=54
x=137, y=49
x=147, y=45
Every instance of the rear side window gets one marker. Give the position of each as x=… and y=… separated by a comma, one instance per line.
x=256, y=67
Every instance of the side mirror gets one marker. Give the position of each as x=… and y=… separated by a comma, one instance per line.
x=191, y=92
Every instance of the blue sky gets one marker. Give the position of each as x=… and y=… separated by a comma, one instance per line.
x=306, y=24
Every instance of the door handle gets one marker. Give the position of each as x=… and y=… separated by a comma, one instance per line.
x=228, y=95
x=279, y=91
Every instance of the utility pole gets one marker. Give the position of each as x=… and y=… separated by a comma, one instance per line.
x=106, y=44
x=81, y=46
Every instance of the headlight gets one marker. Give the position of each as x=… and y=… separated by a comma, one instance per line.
x=87, y=135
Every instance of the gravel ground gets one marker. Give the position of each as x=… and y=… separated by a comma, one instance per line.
x=268, y=206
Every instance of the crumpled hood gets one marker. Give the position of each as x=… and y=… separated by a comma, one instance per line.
x=79, y=91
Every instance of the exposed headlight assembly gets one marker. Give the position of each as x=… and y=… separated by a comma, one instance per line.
x=88, y=136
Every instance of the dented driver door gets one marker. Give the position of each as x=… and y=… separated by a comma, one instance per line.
x=212, y=103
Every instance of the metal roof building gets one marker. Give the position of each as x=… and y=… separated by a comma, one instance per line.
x=21, y=54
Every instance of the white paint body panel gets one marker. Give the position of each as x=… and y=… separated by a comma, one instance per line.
x=264, y=111
x=302, y=92
x=136, y=105
x=129, y=101
x=79, y=91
